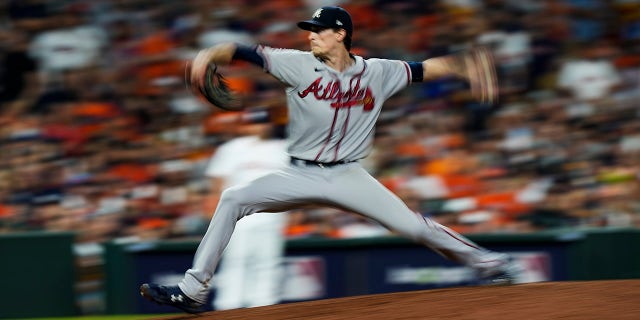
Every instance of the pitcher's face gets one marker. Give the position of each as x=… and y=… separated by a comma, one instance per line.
x=323, y=41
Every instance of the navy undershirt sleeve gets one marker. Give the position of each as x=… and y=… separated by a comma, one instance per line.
x=416, y=71
x=249, y=54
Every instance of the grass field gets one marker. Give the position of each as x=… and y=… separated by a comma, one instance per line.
x=118, y=317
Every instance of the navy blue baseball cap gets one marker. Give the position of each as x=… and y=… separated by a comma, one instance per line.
x=329, y=17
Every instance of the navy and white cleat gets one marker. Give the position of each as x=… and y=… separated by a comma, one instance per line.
x=171, y=296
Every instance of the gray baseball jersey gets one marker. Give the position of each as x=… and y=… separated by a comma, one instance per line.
x=332, y=114
x=331, y=119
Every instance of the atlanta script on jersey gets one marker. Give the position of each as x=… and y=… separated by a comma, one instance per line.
x=332, y=114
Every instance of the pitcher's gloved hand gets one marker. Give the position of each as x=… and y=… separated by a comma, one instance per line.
x=213, y=87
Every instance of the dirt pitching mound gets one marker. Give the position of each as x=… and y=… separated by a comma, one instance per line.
x=601, y=300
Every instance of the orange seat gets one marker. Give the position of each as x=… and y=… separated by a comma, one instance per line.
x=153, y=223
x=411, y=150
x=95, y=109
x=132, y=172
x=462, y=185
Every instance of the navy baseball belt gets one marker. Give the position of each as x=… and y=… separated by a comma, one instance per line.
x=303, y=162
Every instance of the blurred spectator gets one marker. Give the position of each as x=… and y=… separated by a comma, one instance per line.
x=589, y=74
x=18, y=81
x=29, y=15
x=629, y=19
x=512, y=46
x=73, y=44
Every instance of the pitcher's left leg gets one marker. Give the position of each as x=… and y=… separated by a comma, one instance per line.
x=355, y=190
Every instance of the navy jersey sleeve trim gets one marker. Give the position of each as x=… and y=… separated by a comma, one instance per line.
x=416, y=71
x=249, y=54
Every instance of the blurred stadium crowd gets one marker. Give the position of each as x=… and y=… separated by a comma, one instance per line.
x=100, y=136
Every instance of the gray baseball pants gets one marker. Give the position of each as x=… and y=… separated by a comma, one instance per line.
x=347, y=186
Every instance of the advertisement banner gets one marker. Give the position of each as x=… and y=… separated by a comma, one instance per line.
x=304, y=278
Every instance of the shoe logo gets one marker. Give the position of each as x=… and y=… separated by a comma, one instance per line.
x=175, y=298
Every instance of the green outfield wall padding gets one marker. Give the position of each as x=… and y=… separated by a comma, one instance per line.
x=38, y=275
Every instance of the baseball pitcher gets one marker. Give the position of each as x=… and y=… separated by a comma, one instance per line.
x=334, y=99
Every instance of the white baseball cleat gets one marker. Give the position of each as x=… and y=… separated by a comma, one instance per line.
x=505, y=274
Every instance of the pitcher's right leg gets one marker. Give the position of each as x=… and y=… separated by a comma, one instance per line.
x=277, y=192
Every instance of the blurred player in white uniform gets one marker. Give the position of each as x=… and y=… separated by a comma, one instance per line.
x=250, y=271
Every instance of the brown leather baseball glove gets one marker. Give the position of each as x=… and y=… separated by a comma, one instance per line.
x=214, y=88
